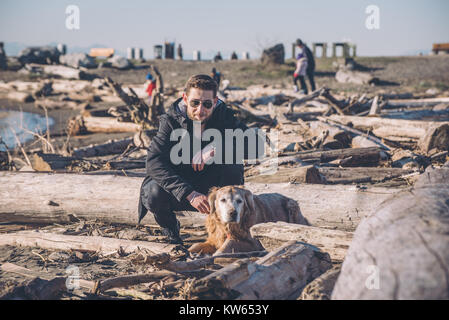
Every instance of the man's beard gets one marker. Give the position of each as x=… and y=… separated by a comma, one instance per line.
x=194, y=118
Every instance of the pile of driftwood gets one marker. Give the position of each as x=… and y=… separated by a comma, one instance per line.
x=360, y=168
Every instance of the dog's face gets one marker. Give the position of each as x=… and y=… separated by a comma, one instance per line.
x=230, y=203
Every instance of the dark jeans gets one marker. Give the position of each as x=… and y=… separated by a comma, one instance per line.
x=162, y=203
x=310, y=75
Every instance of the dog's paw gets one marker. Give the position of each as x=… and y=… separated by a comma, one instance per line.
x=202, y=248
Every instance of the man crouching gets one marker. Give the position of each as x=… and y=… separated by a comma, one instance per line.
x=172, y=185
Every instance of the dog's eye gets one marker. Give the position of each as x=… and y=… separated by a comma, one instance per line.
x=223, y=200
x=239, y=200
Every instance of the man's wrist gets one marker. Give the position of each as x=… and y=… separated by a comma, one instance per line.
x=192, y=196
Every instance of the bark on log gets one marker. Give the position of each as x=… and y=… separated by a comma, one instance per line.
x=110, y=147
x=321, y=288
x=353, y=131
x=282, y=274
x=50, y=162
x=114, y=199
x=252, y=115
x=435, y=137
x=333, y=242
x=82, y=243
x=130, y=280
x=342, y=136
x=401, y=251
x=10, y=267
x=37, y=289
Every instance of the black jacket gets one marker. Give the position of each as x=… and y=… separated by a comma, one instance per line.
x=310, y=59
x=176, y=178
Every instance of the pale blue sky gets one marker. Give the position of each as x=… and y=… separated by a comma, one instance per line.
x=406, y=27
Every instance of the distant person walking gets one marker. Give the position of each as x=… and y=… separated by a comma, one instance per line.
x=305, y=65
x=3, y=60
x=234, y=56
x=179, y=52
x=150, y=85
x=218, y=57
x=216, y=76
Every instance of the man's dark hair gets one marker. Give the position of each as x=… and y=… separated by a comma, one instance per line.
x=203, y=82
x=299, y=42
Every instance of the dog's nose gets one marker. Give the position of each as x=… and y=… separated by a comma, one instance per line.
x=233, y=214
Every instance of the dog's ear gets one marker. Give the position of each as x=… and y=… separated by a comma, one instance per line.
x=249, y=199
x=211, y=198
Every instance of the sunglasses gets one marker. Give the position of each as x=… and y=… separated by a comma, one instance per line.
x=206, y=104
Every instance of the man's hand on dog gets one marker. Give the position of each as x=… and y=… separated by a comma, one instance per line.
x=199, y=201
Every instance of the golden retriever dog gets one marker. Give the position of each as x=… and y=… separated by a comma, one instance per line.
x=234, y=209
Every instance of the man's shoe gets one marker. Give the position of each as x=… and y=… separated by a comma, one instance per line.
x=172, y=234
x=172, y=237
x=295, y=88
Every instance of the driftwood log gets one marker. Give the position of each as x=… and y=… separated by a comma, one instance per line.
x=282, y=274
x=62, y=198
x=101, y=245
x=81, y=125
x=333, y=242
x=330, y=175
x=431, y=134
x=401, y=251
x=110, y=147
x=322, y=287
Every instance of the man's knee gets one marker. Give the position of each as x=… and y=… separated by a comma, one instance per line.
x=154, y=197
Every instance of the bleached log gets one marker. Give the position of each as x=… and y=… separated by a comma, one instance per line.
x=428, y=102
x=115, y=199
x=62, y=71
x=389, y=127
x=357, y=77
x=376, y=107
x=101, y=124
x=62, y=242
x=333, y=242
x=330, y=175
x=19, y=96
x=282, y=274
x=401, y=251
x=304, y=174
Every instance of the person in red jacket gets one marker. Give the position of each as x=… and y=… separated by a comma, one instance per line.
x=150, y=85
